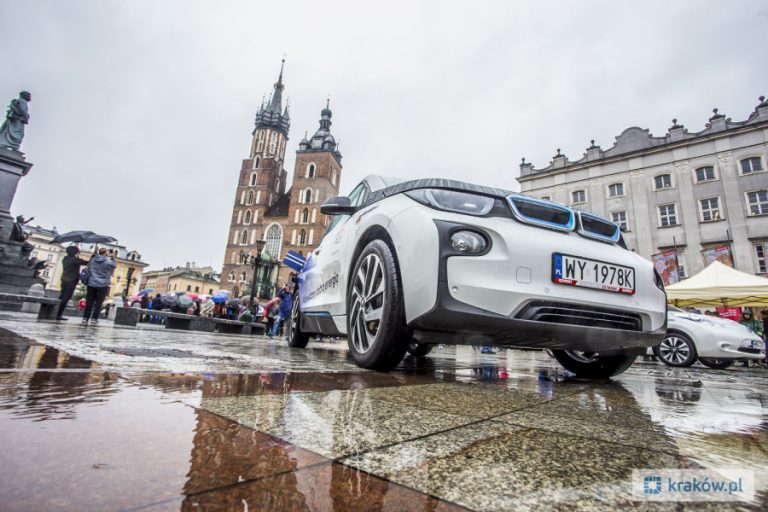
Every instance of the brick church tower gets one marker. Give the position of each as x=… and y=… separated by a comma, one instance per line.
x=264, y=210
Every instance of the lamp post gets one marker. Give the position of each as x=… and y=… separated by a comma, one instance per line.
x=255, y=262
x=128, y=279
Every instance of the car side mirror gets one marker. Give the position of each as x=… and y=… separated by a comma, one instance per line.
x=338, y=205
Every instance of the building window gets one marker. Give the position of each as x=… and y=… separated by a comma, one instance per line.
x=710, y=209
x=662, y=181
x=253, y=179
x=706, y=173
x=307, y=196
x=244, y=238
x=247, y=216
x=546, y=198
x=305, y=216
x=250, y=197
x=615, y=189
x=273, y=143
x=210, y=291
x=231, y=277
x=274, y=240
x=46, y=273
x=256, y=162
x=333, y=177
x=302, y=237
x=620, y=218
x=311, y=171
x=243, y=275
x=49, y=257
x=578, y=196
x=760, y=256
x=667, y=215
x=197, y=289
x=751, y=164
x=189, y=287
x=757, y=202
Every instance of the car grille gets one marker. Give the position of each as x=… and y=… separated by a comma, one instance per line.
x=546, y=214
x=577, y=314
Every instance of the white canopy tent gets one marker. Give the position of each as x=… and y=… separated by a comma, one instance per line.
x=719, y=285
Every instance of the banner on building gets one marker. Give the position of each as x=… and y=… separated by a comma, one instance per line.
x=721, y=253
x=666, y=265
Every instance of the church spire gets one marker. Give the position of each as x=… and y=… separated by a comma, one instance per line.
x=276, y=105
x=272, y=115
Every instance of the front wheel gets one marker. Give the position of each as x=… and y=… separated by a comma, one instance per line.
x=676, y=350
x=376, y=330
x=716, y=363
x=591, y=365
x=296, y=338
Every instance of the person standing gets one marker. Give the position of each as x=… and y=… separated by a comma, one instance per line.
x=286, y=304
x=70, y=277
x=100, y=270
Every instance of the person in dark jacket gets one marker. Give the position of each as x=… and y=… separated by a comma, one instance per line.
x=284, y=312
x=70, y=277
x=101, y=269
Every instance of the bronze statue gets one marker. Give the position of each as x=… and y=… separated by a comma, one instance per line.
x=17, y=232
x=12, y=129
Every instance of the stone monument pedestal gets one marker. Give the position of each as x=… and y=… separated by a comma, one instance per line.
x=18, y=270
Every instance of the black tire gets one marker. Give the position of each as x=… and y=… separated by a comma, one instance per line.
x=676, y=350
x=375, y=290
x=589, y=365
x=718, y=364
x=417, y=349
x=296, y=338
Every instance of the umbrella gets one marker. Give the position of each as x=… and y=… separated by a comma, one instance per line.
x=226, y=293
x=219, y=299
x=192, y=296
x=83, y=237
x=234, y=303
x=145, y=291
x=246, y=299
x=170, y=299
x=185, y=301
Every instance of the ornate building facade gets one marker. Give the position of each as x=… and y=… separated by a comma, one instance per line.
x=694, y=193
x=263, y=208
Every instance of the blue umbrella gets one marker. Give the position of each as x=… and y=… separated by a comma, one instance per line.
x=146, y=291
x=219, y=299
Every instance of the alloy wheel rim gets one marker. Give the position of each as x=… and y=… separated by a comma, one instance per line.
x=583, y=356
x=674, y=350
x=368, y=302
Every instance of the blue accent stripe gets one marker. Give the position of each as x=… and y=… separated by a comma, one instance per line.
x=568, y=226
x=599, y=236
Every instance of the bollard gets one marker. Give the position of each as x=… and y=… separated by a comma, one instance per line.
x=36, y=290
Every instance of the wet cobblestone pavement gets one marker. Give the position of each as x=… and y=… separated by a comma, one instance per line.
x=105, y=418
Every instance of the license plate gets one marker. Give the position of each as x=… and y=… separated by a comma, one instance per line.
x=589, y=273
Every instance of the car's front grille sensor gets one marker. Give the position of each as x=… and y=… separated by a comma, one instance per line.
x=577, y=314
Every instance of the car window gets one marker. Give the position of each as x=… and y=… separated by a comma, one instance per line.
x=356, y=198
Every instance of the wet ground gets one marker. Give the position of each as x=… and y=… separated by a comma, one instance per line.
x=105, y=418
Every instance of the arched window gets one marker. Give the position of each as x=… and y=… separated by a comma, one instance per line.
x=305, y=216
x=308, y=196
x=333, y=177
x=302, y=237
x=250, y=197
x=311, y=171
x=231, y=276
x=243, y=276
x=253, y=179
x=256, y=162
x=247, y=216
x=243, y=258
x=244, y=238
x=274, y=239
x=277, y=184
x=233, y=258
x=273, y=143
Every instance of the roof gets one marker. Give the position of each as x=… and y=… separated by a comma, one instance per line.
x=720, y=285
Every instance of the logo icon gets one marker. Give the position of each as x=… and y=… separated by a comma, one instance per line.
x=652, y=484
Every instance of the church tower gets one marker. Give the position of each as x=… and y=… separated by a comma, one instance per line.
x=316, y=177
x=260, y=185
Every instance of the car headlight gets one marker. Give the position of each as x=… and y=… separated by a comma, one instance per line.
x=452, y=201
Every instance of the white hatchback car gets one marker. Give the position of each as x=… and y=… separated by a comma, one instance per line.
x=715, y=342
x=407, y=264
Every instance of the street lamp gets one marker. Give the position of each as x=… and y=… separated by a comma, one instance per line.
x=255, y=262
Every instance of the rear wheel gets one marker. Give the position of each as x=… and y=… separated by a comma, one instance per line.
x=296, y=338
x=676, y=349
x=417, y=349
x=591, y=365
x=718, y=364
x=377, y=334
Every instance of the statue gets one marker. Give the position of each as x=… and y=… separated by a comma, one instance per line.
x=17, y=232
x=12, y=129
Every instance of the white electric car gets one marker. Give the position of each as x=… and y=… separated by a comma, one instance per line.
x=715, y=342
x=404, y=265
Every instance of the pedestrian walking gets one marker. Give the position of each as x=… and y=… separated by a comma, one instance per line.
x=98, y=279
x=286, y=303
x=70, y=277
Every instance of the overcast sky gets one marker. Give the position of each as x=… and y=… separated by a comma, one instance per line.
x=142, y=111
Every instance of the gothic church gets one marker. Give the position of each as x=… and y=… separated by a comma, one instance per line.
x=264, y=209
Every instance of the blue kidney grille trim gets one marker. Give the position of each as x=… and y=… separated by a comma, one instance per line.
x=597, y=227
x=542, y=213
